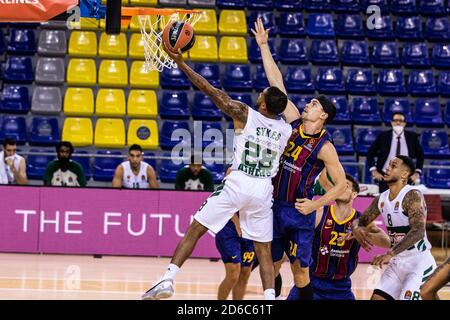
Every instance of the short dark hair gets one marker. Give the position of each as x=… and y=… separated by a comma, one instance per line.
x=276, y=100
x=409, y=163
x=135, y=147
x=398, y=113
x=355, y=184
x=9, y=142
x=67, y=144
x=328, y=107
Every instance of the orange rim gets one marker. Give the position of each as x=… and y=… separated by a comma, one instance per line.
x=136, y=11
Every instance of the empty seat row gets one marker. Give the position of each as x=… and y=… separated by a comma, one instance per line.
x=43, y=131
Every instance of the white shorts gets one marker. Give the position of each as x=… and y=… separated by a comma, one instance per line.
x=404, y=275
x=250, y=196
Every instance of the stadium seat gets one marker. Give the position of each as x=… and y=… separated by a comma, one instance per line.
x=2, y=43
x=346, y=6
x=168, y=169
x=320, y=25
x=232, y=22
x=316, y=5
x=415, y=55
x=109, y=133
x=365, y=110
x=349, y=26
x=237, y=77
x=291, y=25
x=110, y=103
x=438, y=177
x=37, y=163
x=142, y=104
x=14, y=127
x=144, y=3
x=50, y=71
x=167, y=142
x=364, y=138
x=260, y=81
x=15, y=99
x=135, y=25
x=91, y=24
x=136, y=48
x=360, y=81
x=113, y=73
x=144, y=133
x=212, y=135
x=444, y=83
x=330, y=80
x=260, y=4
x=81, y=72
x=44, y=132
x=18, y=69
x=203, y=108
x=355, y=53
x=421, y=83
x=382, y=29
x=174, y=78
x=342, y=139
x=46, y=100
x=447, y=113
x=403, y=7
x=210, y=72
x=83, y=44
x=140, y=78
x=390, y=82
x=79, y=102
x=233, y=49
x=174, y=105
x=288, y=5
x=104, y=167
x=52, y=43
x=113, y=46
x=292, y=51
x=427, y=113
x=409, y=28
x=382, y=4
x=254, y=53
x=217, y=170
x=342, y=111
x=300, y=101
x=435, y=144
x=385, y=54
x=78, y=131
x=392, y=105
x=207, y=23
x=22, y=41
x=298, y=79
x=441, y=55
x=437, y=29
x=432, y=7
x=204, y=49
x=351, y=167
x=268, y=20
x=84, y=162
x=324, y=52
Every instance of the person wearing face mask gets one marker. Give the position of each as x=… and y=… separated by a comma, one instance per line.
x=391, y=143
x=63, y=171
x=12, y=166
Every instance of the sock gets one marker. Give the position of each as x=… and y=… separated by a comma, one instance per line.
x=278, y=285
x=269, y=294
x=305, y=293
x=293, y=294
x=171, y=272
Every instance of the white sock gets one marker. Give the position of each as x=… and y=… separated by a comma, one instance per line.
x=269, y=294
x=171, y=272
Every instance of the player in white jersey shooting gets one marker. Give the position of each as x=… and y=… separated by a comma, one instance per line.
x=260, y=139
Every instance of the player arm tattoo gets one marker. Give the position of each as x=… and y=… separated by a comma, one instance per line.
x=371, y=213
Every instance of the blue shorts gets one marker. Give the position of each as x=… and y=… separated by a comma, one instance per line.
x=332, y=289
x=293, y=234
x=235, y=249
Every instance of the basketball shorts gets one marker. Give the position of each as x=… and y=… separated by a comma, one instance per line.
x=324, y=289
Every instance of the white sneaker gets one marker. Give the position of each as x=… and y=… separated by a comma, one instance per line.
x=162, y=290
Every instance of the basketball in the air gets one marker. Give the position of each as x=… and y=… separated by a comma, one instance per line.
x=178, y=35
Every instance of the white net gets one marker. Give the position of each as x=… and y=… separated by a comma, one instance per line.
x=152, y=27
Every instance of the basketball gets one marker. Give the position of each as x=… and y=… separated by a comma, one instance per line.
x=178, y=35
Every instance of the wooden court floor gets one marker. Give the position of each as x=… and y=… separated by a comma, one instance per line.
x=74, y=277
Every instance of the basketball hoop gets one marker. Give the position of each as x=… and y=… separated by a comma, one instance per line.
x=152, y=22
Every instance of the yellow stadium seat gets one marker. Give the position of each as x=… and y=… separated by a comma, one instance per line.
x=144, y=133
x=142, y=104
x=113, y=46
x=233, y=49
x=83, y=44
x=109, y=133
x=123, y=28
x=140, y=78
x=204, y=49
x=207, y=23
x=78, y=131
x=232, y=22
x=82, y=72
x=134, y=24
x=144, y=3
x=85, y=24
x=110, y=103
x=79, y=102
x=136, y=49
x=113, y=73
x=124, y=2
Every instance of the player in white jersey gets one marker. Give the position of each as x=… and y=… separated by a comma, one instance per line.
x=135, y=173
x=404, y=213
x=260, y=139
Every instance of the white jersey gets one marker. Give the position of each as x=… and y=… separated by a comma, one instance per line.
x=6, y=175
x=132, y=181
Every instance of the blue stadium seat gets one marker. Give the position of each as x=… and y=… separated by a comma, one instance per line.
x=368, y=175
x=432, y=7
x=330, y=80
x=427, y=113
x=438, y=177
x=268, y=19
x=342, y=111
x=260, y=4
x=18, y=69
x=210, y=72
x=403, y=6
x=447, y=113
x=85, y=163
x=364, y=110
x=316, y=5
x=210, y=130
x=174, y=105
x=44, y=132
x=168, y=170
x=360, y=81
x=422, y=83
x=37, y=163
x=260, y=81
x=243, y=97
x=291, y=24
x=382, y=4
x=355, y=53
x=217, y=170
x=104, y=167
x=254, y=53
x=292, y=51
x=14, y=127
x=392, y=105
x=346, y=6
x=231, y=4
x=324, y=52
x=390, y=82
x=237, y=77
x=415, y=55
x=444, y=83
x=165, y=134
x=437, y=29
x=320, y=25
x=174, y=79
x=383, y=29
x=435, y=144
x=2, y=43
x=441, y=55
x=349, y=26
x=385, y=54
x=342, y=139
x=364, y=138
x=300, y=101
x=22, y=41
x=203, y=108
x=288, y=5
x=351, y=168
x=409, y=28
x=15, y=99
x=298, y=79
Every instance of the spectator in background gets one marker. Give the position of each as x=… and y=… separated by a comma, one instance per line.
x=135, y=173
x=194, y=177
x=64, y=171
x=12, y=166
x=391, y=143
